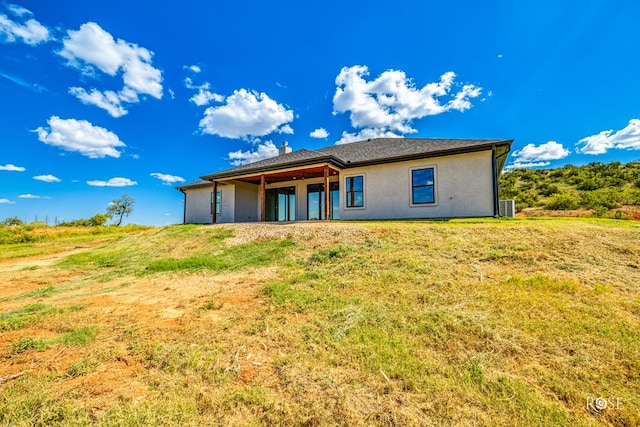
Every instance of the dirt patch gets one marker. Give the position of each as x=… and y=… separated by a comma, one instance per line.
x=300, y=231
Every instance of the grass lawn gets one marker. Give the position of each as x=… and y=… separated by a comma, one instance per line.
x=522, y=322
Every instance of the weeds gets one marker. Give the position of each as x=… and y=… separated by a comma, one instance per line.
x=237, y=257
x=28, y=343
x=80, y=336
x=461, y=322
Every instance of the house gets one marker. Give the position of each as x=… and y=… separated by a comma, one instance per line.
x=382, y=178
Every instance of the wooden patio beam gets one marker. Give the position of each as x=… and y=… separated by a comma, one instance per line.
x=326, y=193
x=263, y=199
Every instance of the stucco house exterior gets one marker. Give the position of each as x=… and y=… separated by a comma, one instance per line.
x=382, y=178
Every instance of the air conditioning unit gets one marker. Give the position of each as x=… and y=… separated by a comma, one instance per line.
x=507, y=208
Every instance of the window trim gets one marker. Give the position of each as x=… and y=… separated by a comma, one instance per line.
x=346, y=192
x=435, y=187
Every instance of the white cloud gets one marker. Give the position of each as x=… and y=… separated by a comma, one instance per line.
x=286, y=129
x=28, y=31
x=113, y=182
x=167, y=179
x=551, y=150
x=366, y=134
x=319, y=133
x=532, y=155
x=79, y=135
x=392, y=101
x=29, y=196
x=263, y=151
x=523, y=165
x=12, y=168
x=91, y=48
x=6, y=202
x=108, y=100
x=47, y=178
x=194, y=68
x=246, y=114
x=205, y=96
x=624, y=139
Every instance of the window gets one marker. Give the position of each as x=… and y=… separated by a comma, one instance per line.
x=355, y=191
x=217, y=202
x=422, y=186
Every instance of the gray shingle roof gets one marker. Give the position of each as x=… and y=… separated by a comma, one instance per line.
x=374, y=150
x=371, y=151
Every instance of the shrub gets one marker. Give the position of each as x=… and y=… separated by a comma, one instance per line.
x=605, y=197
x=548, y=190
x=14, y=220
x=589, y=185
x=562, y=202
x=599, y=211
x=525, y=200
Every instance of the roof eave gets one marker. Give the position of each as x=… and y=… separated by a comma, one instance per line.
x=288, y=165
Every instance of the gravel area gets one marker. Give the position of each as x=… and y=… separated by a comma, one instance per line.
x=302, y=231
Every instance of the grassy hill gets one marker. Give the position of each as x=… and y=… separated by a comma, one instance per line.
x=602, y=188
x=469, y=322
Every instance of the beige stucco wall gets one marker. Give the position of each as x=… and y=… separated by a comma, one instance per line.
x=247, y=202
x=463, y=187
x=198, y=205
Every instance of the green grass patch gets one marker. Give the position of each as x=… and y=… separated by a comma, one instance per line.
x=25, y=316
x=24, y=344
x=79, y=337
x=82, y=367
x=247, y=255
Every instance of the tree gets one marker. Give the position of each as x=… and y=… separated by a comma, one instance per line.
x=121, y=207
x=13, y=221
x=99, y=219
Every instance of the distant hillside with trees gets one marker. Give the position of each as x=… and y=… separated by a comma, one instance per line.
x=598, y=189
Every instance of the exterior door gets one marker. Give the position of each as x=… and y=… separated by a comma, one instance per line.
x=281, y=204
x=315, y=201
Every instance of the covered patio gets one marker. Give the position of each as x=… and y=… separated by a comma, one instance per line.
x=289, y=175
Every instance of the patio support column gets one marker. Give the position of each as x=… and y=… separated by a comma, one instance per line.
x=326, y=193
x=263, y=199
x=214, y=203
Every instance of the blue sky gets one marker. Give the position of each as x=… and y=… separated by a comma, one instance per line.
x=98, y=99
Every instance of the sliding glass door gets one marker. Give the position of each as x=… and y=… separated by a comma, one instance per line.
x=315, y=201
x=281, y=204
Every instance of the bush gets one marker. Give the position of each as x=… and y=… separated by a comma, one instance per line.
x=98, y=220
x=548, y=190
x=562, y=202
x=589, y=185
x=607, y=197
x=14, y=220
x=599, y=211
x=525, y=200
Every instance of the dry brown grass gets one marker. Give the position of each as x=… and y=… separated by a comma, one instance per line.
x=394, y=323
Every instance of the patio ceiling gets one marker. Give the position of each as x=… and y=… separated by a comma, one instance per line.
x=315, y=171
